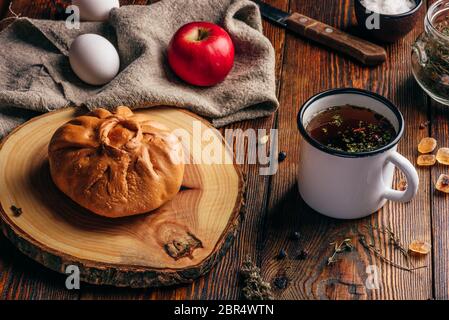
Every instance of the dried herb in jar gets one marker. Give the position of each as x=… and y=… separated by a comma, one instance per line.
x=432, y=69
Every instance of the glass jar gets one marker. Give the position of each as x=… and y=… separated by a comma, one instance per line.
x=430, y=54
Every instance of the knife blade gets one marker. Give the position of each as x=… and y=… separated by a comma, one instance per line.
x=273, y=14
x=363, y=51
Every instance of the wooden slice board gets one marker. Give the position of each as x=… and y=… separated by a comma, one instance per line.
x=135, y=251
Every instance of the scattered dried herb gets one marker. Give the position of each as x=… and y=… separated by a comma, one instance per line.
x=340, y=247
x=281, y=282
x=393, y=240
x=378, y=253
x=16, y=211
x=255, y=288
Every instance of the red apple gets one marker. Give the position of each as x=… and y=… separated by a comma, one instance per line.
x=201, y=53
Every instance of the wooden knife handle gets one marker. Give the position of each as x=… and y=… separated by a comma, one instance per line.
x=361, y=50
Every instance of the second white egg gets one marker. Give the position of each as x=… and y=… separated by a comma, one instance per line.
x=95, y=10
x=94, y=59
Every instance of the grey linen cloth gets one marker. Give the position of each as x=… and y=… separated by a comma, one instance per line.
x=35, y=73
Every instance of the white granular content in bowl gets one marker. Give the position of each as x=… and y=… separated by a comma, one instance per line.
x=389, y=6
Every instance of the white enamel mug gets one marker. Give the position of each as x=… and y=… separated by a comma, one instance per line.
x=351, y=185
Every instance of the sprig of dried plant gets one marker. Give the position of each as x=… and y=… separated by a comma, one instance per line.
x=340, y=247
x=255, y=287
x=393, y=240
x=379, y=254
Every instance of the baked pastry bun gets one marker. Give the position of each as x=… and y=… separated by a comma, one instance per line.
x=116, y=164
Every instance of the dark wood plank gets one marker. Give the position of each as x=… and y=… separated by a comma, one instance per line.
x=4, y=8
x=312, y=278
x=439, y=129
x=24, y=279
x=42, y=9
x=440, y=205
x=20, y=277
x=45, y=9
x=223, y=281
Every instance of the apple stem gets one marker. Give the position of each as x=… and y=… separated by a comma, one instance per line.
x=202, y=34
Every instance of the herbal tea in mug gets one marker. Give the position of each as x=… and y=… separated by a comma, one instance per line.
x=351, y=129
x=348, y=153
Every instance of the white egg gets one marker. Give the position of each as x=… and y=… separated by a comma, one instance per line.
x=95, y=10
x=94, y=59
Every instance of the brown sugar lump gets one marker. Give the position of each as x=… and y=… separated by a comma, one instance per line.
x=443, y=156
x=426, y=160
x=443, y=183
x=418, y=247
x=427, y=145
x=116, y=164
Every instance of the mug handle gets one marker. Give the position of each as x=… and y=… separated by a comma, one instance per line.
x=410, y=173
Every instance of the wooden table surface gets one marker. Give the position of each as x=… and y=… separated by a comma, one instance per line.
x=274, y=209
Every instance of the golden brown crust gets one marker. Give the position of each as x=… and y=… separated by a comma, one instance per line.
x=115, y=164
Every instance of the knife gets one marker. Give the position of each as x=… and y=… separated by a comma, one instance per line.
x=363, y=51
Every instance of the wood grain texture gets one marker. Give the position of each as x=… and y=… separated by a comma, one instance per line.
x=44, y=9
x=20, y=277
x=223, y=281
x=440, y=205
x=312, y=278
x=439, y=128
x=3, y=8
x=302, y=69
x=138, y=251
x=365, y=52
